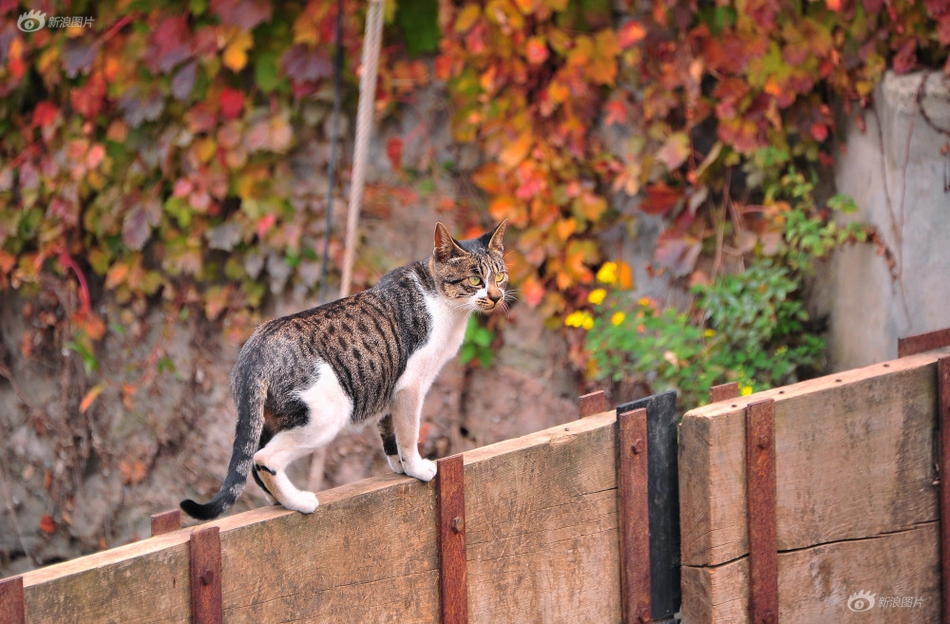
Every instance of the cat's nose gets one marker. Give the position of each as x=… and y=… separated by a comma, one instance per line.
x=495, y=296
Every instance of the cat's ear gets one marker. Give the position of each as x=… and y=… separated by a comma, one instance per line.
x=496, y=238
x=445, y=246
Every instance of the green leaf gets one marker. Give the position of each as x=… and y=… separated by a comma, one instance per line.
x=266, y=73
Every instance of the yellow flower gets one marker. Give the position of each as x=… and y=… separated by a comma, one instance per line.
x=618, y=318
x=746, y=390
x=709, y=333
x=607, y=273
x=644, y=302
x=579, y=318
x=597, y=296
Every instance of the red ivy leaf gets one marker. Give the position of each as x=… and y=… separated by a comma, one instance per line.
x=906, y=58
x=305, y=64
x=87, y=100
x=232, y=103
x=47, y=525
x=168, y=45
x=394, y=152
x=245, y=14
x=660, y=199
x=44, y=114
x=536, y=51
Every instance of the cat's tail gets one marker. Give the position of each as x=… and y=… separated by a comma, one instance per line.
x=249, y=399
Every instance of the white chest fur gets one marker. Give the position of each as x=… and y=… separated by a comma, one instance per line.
x=445, y=338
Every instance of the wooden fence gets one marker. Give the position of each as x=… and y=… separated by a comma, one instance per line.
x=823, y=489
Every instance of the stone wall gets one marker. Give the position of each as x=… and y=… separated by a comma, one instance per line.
x=898, y=172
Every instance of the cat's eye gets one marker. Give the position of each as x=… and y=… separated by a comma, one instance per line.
x=500, y=277
x=475, y=280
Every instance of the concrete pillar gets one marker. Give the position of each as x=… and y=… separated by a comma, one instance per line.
x=899, y=177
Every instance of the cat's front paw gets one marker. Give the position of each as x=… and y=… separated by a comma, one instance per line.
x=304, y=502
x=422, y=469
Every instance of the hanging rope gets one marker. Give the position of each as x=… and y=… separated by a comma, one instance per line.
x=364, y=127
x=334, y=148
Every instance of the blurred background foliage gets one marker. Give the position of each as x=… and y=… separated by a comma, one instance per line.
x=175, y=155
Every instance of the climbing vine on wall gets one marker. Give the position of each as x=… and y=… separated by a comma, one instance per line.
x=172, y=154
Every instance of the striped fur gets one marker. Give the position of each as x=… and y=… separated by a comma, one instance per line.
x=301, y=379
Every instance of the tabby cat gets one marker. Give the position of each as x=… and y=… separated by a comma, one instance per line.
x=371, y=357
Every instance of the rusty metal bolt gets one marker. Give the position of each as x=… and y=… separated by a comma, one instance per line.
x=763, y=441
x=206, y=577
x=768, y=617
x=643, y=615
x=637, y=446
x=458, y=524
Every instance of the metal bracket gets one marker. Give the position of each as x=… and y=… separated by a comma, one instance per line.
x=12, y=598
x=450, y=529
x=632, y=480
x=205, y=576
x=761, y=512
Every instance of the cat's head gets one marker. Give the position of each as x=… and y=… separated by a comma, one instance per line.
x=472, y=272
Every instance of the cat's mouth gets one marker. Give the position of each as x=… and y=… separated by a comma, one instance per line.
x=487, y=305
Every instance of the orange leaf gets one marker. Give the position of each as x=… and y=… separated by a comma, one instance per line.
x=513, y=153
x=532, y=291
x=631, y=33
x=47, y=525
x=90, y=397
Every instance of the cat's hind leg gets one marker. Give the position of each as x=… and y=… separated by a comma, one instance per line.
x=388, y=435
x=271, y=462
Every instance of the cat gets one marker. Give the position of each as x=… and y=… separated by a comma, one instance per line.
x=301, y=379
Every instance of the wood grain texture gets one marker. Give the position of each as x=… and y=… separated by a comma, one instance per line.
x=542, y=526
x=855, y=459
x=816, y=583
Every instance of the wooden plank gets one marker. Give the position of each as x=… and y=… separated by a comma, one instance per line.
x=632, y=485
x=817, y=582
x=12, y=601
x=592, y=403
x=724, y=392
x=919, y=343
x=542, y=527
x=662, y=422
x=165, y=522
x=856, y=455
x=450, y=528
x=761, y=516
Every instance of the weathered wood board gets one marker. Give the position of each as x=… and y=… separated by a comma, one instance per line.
x=856, y=498
x=854, y=459
x=542, y=535
x=815, y=584
x=543, y=544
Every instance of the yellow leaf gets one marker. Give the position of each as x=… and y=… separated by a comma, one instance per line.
x=467, y=18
